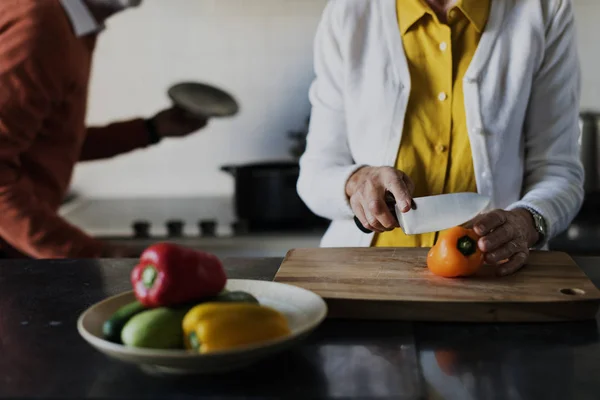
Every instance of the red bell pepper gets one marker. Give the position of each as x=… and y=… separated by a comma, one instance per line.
x=168, y=275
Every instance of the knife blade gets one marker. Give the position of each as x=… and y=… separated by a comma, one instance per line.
x=436, y=213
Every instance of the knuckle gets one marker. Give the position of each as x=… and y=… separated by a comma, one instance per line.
x=520, y=257
x=495, y=214
x=514, y=246
x=487, y=219
x=396, y=175
x=389, y=181
x=394, y=181
x=500, y=254
x=509, y=231
x=387, y=227
x=367, y=185
x=386, y=171
x=522, y=236
x=377, y=207
x=361, y=188
x=492, y=217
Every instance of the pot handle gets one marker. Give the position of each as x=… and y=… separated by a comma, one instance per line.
x=229, y=169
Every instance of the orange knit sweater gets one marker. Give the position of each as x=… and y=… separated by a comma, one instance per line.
x=44, y=75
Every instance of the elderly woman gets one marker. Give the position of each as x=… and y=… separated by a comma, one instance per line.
x=425, y=97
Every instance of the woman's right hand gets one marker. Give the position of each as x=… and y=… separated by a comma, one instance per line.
x=367, y=188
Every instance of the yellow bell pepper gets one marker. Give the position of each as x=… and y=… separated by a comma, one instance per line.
x=221, y=326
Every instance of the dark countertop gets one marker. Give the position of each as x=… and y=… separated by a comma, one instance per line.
x=42, y=355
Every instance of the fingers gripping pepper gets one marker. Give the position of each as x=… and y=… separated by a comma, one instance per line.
x=168, y=274
x=221, y=326
x=455, y=254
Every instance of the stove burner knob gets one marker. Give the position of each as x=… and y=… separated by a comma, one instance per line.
x=240, y=227
x=141, y=229
x=207, y=227
x=175, y=228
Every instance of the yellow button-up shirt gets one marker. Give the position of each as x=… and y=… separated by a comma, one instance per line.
x=435, y=151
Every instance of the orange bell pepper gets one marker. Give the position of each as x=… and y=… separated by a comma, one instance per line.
x=455, y=254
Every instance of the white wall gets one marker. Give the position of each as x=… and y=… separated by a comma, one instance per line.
x=260, y=51
x=587, y=15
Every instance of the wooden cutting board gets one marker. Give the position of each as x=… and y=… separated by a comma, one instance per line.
x=388, y=283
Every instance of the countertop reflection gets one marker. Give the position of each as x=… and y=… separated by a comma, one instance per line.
x=43, y=356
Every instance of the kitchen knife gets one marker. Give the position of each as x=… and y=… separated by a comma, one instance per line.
x=436, y=213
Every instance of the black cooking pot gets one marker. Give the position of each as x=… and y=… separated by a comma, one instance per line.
x=266, y=196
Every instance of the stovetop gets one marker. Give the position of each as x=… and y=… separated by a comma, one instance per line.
x=174, y=218
x=210, y=222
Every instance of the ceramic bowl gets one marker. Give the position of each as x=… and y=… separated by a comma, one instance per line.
x=303, y=309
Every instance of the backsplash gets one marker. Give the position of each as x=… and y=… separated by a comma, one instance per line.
x=258, y=50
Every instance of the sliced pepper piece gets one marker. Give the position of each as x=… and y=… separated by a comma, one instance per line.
x=169, y=275
x=212, y=327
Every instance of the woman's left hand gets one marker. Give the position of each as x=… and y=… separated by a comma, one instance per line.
x=505, y=238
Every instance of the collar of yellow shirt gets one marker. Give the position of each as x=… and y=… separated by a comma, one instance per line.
x=476, y=11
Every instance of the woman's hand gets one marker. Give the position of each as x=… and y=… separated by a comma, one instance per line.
x=506, y=237
x=366, y=190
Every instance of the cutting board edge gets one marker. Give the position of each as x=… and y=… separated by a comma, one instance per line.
x=453, y=312
x=589, y=299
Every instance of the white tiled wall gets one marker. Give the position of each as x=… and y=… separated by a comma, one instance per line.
x=259, y=50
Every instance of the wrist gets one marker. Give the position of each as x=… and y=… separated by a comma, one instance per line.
x=153, y=136
x=532, y=234
x=352, y=182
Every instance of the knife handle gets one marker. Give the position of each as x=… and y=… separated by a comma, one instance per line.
x=390, y=202
x=360, y=226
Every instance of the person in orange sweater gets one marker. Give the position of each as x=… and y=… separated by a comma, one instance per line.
x=46, y=50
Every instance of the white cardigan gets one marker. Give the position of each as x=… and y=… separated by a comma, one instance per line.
x=521, y=94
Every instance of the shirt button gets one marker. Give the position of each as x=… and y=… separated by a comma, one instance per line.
x=442, y=96
x=485, y=175
x=440, y=148
x=443, y=46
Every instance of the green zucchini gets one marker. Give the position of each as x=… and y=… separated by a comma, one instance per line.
x=112, y=327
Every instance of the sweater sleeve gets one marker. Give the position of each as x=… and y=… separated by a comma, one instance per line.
x=114, y=139
x=553, y=170
x=30, y=79
x=327, y=162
